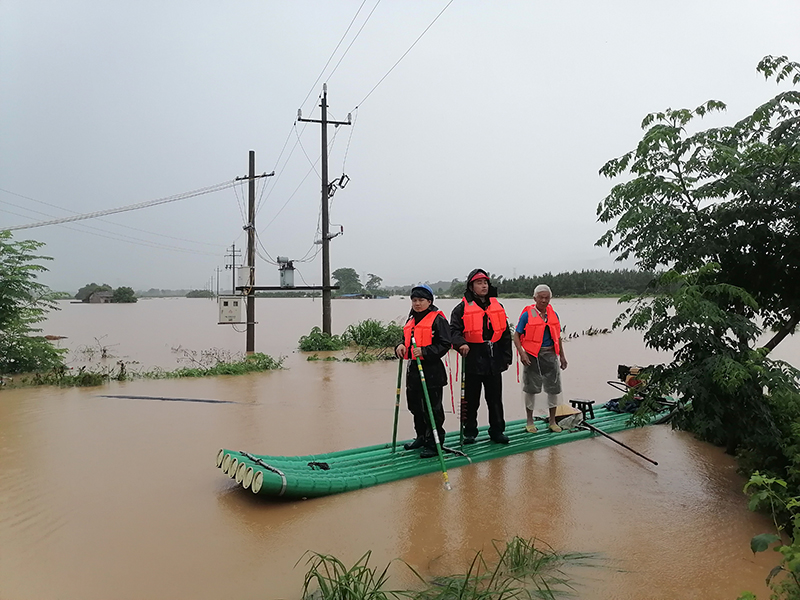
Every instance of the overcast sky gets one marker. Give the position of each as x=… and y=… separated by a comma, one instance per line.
x=480, y=149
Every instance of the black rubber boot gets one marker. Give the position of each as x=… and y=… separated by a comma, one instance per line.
x=417, y=443
x=428, y=452
x=499, y=438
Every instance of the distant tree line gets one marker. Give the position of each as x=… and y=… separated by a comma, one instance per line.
x=575, y=283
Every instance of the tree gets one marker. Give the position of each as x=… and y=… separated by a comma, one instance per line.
x=124, y=295
x=717, y=214
x=348, y=280
x=373, y=283
x=200, y=294
x=89, y=289
x=728, y=195
x=23, y=303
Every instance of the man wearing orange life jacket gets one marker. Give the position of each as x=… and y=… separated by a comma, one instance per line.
x=538, y=341
x=431, y=334
x=479, y=329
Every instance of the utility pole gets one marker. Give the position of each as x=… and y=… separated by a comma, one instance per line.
x=217, y=282
x=251, y=256
x=326, y=263
x=250, y=227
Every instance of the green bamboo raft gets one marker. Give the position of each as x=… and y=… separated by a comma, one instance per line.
x=317, y=475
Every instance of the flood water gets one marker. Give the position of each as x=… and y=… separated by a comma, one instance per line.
x=108, y=497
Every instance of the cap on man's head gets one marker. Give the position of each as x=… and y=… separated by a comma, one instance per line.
x=479, y=275
x=422, y=291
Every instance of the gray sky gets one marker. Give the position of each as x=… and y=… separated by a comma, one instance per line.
x=480, y=149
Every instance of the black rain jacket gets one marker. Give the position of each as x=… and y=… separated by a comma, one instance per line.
x=432, y=365
x=485, y=358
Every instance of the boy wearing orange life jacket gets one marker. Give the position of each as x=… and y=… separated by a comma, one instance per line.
x=480, y=333
x=431, y=334
x=538, y=341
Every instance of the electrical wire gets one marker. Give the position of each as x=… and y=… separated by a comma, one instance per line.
x=153, y=233
x=301, y=277
x=310, y=91
x=349, y=138
x=120, y=237
x=313, y=164
x=313, y=168
x=405, y=53
x=344, y=35
x=354, y=39
x=240, y=201
x=100, y=213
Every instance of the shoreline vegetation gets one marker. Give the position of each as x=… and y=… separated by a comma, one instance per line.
x=521, y=569
x=207, y=363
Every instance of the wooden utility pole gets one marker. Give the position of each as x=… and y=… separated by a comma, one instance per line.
x=326, y=263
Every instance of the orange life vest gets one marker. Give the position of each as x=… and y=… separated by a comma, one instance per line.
x=534, y=330
x=423, y=331
x=473, y=320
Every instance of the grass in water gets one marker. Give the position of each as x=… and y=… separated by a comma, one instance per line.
x=522, y=570
x=329, y=579
x=207, y=363
x=371, y=339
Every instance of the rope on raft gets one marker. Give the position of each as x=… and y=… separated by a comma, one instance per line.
x=260, y=462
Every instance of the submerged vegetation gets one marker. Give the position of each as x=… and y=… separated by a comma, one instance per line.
x=521, y=569
x=370, y=340
x=207, y=363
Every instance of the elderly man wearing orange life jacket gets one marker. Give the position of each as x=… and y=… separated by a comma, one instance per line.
x=479, y=328
x=431, y=334
x=538, y=341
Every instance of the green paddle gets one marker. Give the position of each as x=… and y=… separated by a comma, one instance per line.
x=397, y=403
x=430, y=416
x=463, y=407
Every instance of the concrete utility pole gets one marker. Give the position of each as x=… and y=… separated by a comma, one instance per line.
x=251, y=256
x=326, y=194
x=251, y=253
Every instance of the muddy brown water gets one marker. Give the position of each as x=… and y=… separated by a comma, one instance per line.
x=109, y=497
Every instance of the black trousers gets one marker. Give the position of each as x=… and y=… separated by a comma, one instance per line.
x=418, y=408
x=493, y=391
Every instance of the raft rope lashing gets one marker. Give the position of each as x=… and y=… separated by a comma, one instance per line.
x=261, y=463
x=457, y=453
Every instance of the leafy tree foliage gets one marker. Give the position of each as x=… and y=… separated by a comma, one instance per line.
x=729, y=195
x=348, y=280
x=373, y=283
x=89, y=289
x=24, y=302
x=124, y=295
x=719, y=209
x=200, y=294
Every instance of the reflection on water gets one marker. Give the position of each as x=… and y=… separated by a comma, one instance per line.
x=114, y=495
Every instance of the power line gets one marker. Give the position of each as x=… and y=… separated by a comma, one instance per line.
x=405, y=53
x=100, y=213
x=112, y=223
x=115, y=236
x=354, y=39
x=316, y=81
